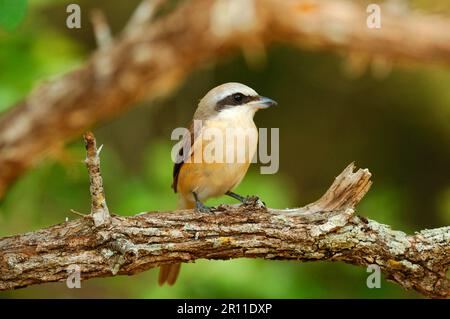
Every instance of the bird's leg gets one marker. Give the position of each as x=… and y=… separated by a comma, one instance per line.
x=246, y=200
x=240, y=198
x=200, y=206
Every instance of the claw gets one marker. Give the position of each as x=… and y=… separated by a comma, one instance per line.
x=254, y=200
x=200, y=207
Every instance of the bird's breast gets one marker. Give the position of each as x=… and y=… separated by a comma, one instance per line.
x=220, y=157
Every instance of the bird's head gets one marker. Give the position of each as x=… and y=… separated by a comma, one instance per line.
x=231, y=99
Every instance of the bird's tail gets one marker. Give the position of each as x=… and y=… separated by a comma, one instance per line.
x=169, y=273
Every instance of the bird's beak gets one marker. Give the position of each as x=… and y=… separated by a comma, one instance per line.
x=264, y=102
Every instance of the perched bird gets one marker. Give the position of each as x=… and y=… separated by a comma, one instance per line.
x=228, y=107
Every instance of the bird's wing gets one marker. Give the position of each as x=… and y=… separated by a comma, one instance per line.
x=185, y=152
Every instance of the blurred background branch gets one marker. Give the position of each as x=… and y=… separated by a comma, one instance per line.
x=150, y=59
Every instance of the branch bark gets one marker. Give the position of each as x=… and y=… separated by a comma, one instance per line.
x=150, y=59
x=327, y=230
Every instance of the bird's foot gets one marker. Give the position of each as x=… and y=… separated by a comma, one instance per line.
x=201, y=208
x=253, y=201
x=247, y=200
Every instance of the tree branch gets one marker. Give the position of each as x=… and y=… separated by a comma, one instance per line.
x=149, y=60
x=325, y=230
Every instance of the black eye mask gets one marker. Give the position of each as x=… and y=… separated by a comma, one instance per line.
x=235, y=99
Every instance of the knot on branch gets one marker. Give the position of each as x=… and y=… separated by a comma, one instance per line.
x=325, y=230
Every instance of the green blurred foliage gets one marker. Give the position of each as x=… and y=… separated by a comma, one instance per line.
x=11, y=13
x=26, y=56
x=397, y=126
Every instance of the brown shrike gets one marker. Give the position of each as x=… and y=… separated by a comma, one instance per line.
x=228, y=107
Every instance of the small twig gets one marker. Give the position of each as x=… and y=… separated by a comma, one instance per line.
x=73, y=211
x=99, y=210
x=102, y=31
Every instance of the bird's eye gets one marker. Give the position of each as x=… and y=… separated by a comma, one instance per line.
x=238, y=97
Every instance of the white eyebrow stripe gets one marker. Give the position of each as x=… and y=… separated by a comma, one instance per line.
x=221, y=94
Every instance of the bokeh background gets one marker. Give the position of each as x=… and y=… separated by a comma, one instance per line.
x=332, y=111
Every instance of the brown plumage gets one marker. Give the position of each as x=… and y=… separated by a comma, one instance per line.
x=228, y=106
